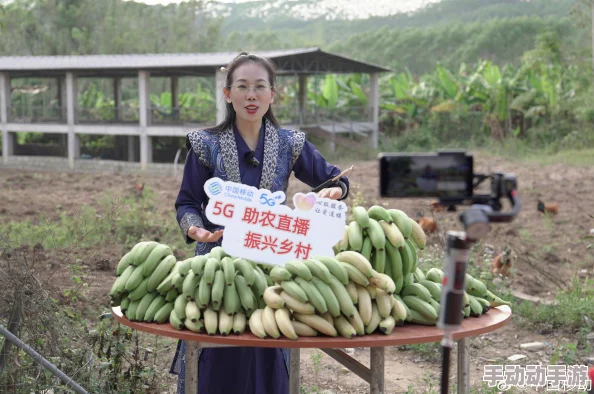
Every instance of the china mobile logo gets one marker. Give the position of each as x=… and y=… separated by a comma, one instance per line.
x=553, y=377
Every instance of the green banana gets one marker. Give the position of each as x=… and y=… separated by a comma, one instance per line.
x=145, y=302
x=367, y=248
x=161, y=272
x=379, y=260
x=124, y=263
x=355, y=234
x=394, y=259
x=197, y=264
x=135, y=278
x=260, y=282
x=434, y=275
x=167, y=284
x=139, y=291
x=125, y=303
x=344, y=300
x=378, y=213
x=415, y=303
x=318, y=269
x=329, y=296
x=211, y=266
x=218, y=289
x=231, y=299
x=189, y=286
x=355, y=275
x=163, y=314
x=376, y=234
x=279, y=274
x=294, y=290
x=387, y=324
x=228, y=270
x=119, y=285
x=335, y=268
x=393, y=234
x=153, y=308
x=401, y=220
x=361, y=216
x=476, y=309
x=419, y=275
x=298, y=269
x=155, y=258
x=178, y=280
x=313, y=295
x=374, y=321
x=131, y=311
x=184, y=267
x=407, y=260
x=418, y=318
x=218, y=252
x=197, y=326
x=475, y=287
x=246, y=270
x=413, y=253
x=143, y=251
x=433, y=288
x=484, y=303
x=180, y=306
x=204, y=291
x=245, y=294
x=175, y=321
x=435, y=305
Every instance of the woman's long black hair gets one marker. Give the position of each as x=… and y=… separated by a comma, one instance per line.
x=243, y=58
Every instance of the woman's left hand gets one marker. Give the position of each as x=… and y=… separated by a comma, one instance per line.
x=332, y=193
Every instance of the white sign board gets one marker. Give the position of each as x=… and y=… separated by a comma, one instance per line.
x=260, y=228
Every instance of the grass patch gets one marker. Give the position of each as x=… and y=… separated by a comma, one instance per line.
x=574, y=311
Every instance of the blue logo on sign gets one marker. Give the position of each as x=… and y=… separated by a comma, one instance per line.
x=215, y=188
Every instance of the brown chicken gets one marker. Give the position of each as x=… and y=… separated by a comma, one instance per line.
x=503, y=262
x=427, y=224
x=435, y=206
x=550, y=208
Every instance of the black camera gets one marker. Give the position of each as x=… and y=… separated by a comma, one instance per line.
x=449, y=176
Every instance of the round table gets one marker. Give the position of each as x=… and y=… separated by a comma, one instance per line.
x=407, y=334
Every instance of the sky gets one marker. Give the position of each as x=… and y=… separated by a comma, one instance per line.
x=361, y=8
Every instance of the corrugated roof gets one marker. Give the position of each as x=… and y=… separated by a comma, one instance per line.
x=170, y=61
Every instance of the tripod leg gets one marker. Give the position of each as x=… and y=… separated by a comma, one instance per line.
x=463, y=379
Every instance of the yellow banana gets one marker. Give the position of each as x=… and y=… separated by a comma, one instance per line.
x=387, y=325
x=272, y=297
x=361, y=216
x=401, y=220
x=393, y=234
x=225, y=322
x=192, y=312
x=355, y=275
x=357, y=323
x=375, y=319
x=399, y=311
x=355, y=234
x=239, y=322
x=383, y=281
x=344, y=328
x=317, y=322
x=296, y=305
x=197, y=326
x=384, y=303
x=352, y=290
x=418, y=235
x=357, y=260
x=371, y=290
x=283, y=322
x=256, y=325
x=211, y=321
x=269, y=323
x=303, y=330
x=364, y=304
x=328, y=317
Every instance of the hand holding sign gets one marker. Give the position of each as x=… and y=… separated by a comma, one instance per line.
x=260, y=228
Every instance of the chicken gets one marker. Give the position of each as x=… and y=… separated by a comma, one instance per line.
x=550, y=208
x=435, y=206
x=503, y=262
x=427, y=224
x=139, y=189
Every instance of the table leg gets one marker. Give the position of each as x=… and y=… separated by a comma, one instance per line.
x=376, y=364
x=191, y=384
x=463, y=379
x=294, y=362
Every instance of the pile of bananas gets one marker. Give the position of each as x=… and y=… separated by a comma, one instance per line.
x=390, y=240
x=372, y=284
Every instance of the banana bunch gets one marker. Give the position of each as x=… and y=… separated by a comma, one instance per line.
x=388, y=238
x=331, y=296
x=423, y=295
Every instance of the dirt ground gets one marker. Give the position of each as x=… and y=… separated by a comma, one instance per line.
x=550, y=251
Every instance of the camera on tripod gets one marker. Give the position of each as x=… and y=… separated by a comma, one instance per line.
x=447, y=175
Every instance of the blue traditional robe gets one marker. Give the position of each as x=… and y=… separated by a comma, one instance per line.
x=279, y=152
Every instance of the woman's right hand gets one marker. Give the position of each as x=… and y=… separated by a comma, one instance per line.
x=202, y=235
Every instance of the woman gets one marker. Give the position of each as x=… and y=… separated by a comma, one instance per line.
x=248, y=147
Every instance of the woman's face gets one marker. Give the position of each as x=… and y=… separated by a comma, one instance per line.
x=250, y=92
